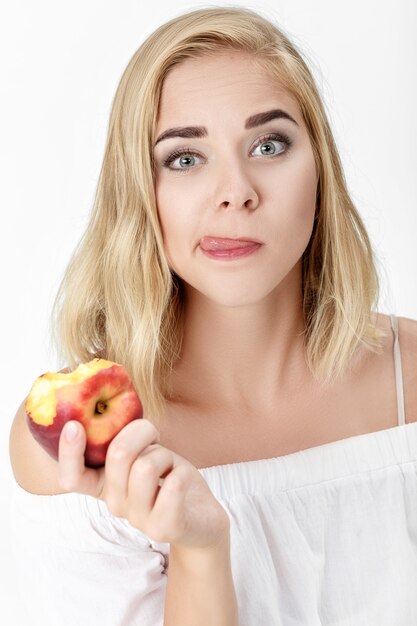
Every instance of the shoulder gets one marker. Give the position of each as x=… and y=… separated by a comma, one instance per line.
x=407, y=338
x=33, y=469
x=408, y=328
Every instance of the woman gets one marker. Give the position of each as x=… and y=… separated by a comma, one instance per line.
x=273, y=479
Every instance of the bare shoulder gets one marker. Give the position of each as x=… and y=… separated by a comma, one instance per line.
x=34, y=470
x=407, y=337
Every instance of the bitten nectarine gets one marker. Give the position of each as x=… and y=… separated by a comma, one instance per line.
x=99, y=394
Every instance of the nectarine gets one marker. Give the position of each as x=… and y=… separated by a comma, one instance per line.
x=99, y=394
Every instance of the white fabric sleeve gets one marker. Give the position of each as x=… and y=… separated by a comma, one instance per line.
x=80, y=565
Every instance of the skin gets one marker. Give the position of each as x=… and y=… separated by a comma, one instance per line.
x=241, y=317
x=231, y=193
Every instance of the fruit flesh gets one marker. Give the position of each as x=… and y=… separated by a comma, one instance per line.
x=42, y=399
x=98, y=394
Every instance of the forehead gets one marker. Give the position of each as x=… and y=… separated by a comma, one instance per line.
x=228, y=77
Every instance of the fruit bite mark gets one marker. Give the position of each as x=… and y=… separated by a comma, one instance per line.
x=42, y=400
x=48, y=436
x=98, y=394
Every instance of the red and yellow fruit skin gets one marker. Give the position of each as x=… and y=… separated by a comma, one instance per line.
x=110, y=386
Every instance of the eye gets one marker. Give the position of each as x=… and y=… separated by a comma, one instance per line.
x=187, y=158
x=269, y=140
x=184, y=156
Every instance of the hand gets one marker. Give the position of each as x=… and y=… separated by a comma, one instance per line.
x=156, y=490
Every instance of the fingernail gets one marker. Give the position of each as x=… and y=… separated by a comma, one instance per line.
x=71, y=431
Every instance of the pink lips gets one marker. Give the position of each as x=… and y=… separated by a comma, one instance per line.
x=220, y=243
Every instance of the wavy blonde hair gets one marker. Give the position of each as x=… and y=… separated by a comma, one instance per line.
x=118, y=298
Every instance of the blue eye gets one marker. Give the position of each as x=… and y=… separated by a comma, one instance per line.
x=183, y=155
x=269, y=141
x=188, y=154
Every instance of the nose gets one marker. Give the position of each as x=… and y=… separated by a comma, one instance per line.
x=235, y=189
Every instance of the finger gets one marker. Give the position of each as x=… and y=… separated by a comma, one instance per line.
x=167, y=522
x=72, y=473
x=144, y=480
x=122, y=452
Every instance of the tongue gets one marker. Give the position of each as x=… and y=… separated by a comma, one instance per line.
x=208, y=243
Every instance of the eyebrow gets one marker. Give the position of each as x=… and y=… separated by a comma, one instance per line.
x=201, y=131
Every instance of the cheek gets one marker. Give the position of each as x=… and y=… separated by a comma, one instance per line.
x=175, y=220
x=162, y=206
x=165, y=213
x=296, y=205
x=168, y=210
x=304, y=187
x=178, y=198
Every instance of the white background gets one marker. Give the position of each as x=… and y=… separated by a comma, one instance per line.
x=60, y=66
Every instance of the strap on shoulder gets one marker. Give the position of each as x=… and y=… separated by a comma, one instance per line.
x=398, y=371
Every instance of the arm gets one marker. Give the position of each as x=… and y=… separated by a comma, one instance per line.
x=75, y=562
x=68, y=536
x=200, y=588
x=182, y=511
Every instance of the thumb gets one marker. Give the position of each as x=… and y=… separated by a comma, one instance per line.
x=73, y=475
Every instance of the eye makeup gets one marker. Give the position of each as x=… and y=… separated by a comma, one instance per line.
x=186, y=151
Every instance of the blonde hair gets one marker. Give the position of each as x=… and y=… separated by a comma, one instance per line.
x=118, y=298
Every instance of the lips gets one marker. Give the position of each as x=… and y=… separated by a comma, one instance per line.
x=221, y=243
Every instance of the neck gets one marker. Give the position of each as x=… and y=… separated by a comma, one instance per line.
x=242, y=357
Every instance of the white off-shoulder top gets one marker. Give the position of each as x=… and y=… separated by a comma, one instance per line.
x=321, y=537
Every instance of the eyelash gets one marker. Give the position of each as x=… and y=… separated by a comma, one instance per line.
x=281, y=138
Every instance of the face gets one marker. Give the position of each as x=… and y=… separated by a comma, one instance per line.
x=235, y=180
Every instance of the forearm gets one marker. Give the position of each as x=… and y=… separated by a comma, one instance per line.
x=200, y=588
